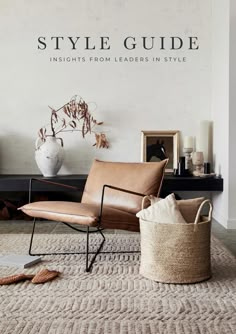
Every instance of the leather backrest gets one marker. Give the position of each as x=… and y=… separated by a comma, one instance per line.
x=141, y=177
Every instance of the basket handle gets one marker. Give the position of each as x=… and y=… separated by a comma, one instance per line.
x=144, y=200
x=199, y=212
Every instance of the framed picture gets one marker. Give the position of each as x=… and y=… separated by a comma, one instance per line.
x=159, y=145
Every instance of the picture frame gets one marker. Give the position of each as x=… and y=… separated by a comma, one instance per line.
x=159, y=145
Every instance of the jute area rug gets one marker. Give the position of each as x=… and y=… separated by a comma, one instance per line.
x=114, y=297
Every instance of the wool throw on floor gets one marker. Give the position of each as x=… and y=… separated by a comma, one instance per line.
x=114, y=298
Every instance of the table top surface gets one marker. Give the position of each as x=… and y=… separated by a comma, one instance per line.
x=84, y=176
x=20, y=182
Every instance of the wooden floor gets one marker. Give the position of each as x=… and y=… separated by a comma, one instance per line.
x=228, y=237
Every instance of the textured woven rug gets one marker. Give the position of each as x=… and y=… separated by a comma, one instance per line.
x=113, y=298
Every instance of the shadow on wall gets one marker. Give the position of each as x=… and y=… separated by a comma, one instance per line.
x=17, y=154
x=78, y=159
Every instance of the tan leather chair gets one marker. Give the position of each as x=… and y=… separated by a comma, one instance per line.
x=111, y=198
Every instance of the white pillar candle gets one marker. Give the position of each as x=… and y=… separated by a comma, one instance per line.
x=188, y=142
x=203, y=139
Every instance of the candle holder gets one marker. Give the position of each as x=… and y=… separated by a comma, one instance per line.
x=188, y=158
x=198, y=161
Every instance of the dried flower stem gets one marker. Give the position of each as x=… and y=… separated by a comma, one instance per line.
x=76, y=113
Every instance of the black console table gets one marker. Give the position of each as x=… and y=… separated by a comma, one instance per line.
x=194, y=183
x=17, y=183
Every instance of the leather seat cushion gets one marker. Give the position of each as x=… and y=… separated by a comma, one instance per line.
x=145, y=178
x=81, y=213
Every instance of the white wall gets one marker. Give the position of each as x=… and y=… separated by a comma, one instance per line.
x=220, y=104
x=130, y=96
x=232, y=118
x=223, y=107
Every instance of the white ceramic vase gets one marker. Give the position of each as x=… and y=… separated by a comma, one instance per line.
x=49, y=156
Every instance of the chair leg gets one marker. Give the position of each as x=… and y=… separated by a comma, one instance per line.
x=87, y=249
x=88, y=265
x=97, y=252
x=32, y=236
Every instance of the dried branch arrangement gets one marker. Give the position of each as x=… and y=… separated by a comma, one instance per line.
x=74, y=116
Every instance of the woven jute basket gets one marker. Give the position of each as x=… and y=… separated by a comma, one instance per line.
x=177, y=253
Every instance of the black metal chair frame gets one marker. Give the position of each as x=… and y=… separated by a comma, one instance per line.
x=98, y=228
